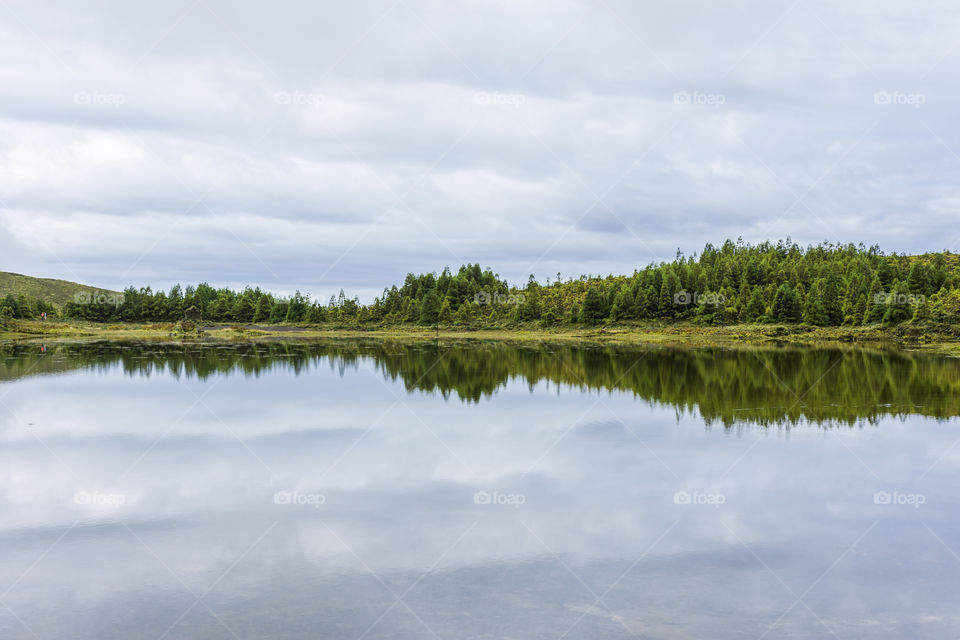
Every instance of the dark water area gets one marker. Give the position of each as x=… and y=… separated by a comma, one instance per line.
x=366, y=489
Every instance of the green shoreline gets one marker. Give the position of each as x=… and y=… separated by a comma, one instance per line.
x=944, y=339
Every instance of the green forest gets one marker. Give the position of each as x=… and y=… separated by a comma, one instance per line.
x=824, y=285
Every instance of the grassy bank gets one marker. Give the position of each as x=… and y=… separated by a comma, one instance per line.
x=938, y=338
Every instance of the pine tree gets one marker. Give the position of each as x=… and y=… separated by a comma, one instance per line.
x=261, y=312
x=622, y=304
x=593, y=310
x=919, y=279
x=786, y=305
x=813, y=310
x=755, y=309
x=921, y=312
x=670, y=286
x=243, y=309
x=898, y=305
x=650, y=299
x=708, y=310
x=430, y=308
x=876, y=302
x=859, y=309
x=446, y=312
x=831, y=299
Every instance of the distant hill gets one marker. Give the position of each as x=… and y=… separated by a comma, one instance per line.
x=57, y=292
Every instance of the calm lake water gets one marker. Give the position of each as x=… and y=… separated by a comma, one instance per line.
x=361, y=490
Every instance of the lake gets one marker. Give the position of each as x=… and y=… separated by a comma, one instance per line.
x=367, y=490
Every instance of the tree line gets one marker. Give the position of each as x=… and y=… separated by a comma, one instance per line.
x=825, y=285
x=24, y=307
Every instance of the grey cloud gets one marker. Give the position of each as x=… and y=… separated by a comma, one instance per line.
x=343, y=145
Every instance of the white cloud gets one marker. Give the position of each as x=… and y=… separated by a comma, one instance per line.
x=436, y=134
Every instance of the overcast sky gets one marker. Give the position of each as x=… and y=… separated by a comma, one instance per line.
x=320, y=145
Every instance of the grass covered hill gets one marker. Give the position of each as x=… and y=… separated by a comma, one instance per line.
x=26, y=296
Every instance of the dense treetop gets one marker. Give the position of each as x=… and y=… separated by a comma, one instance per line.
x=827, y=284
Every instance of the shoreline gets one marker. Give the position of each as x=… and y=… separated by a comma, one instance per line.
x=944, y=339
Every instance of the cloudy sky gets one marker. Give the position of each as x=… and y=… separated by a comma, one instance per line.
x=319, y=145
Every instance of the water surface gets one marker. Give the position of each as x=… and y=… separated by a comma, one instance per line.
x=361, y=489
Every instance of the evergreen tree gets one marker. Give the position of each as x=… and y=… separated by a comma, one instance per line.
x=670, y=286
x=813, y=310
x=755, y=310
x=622, y=304
x=592, y=310
x=876, y=302
x=919, y=279
x=243, y=309
x=446, y=313
x=786, y=305
x=297, y=308
x=261, y=312
x=430, y=308
x=898, y=305
x=830, y=297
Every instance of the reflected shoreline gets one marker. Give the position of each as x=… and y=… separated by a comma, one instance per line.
x=763, y=386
